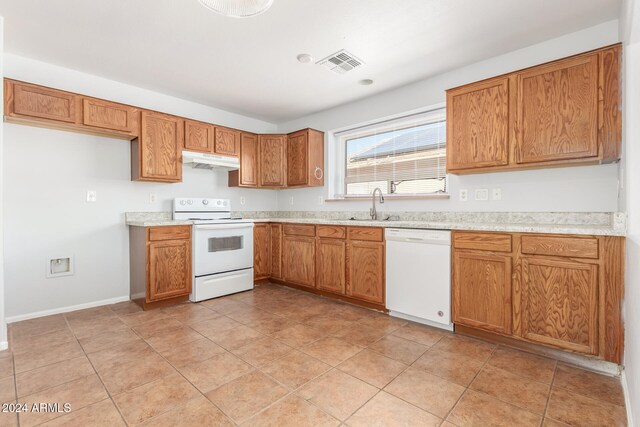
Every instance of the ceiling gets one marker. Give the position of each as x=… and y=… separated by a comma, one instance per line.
x=249, y=65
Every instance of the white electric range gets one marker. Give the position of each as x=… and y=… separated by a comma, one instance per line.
x=222, y=247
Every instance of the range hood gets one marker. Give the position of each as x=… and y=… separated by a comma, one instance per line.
x=210, y=161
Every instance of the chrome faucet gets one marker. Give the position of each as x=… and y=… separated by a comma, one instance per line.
x=372, y=211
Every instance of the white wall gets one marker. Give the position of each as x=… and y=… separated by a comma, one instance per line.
x=631, y=130
x=592, y=188
x=3, y=326
x=47, y=174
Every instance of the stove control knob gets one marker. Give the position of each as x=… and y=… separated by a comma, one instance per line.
x=205, y=202
x=225, y=203
x=218, y=202
x=182, y=202
x=190, y=202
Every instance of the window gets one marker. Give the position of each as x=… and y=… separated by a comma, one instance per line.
x=404, y=156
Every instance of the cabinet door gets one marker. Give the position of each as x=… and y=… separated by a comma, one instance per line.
x=227, y=142
x=110, y=116
x=478, y=125
x=558, y=111
x=365, y=271
x=40, y=102
x=248, y=160
x=331, y=257
x=276, y=250
x=169, y=269
x=482, y=290
x=560, y=303
x=261, y=261
x=272, y=160
x=160, y=144
x=297, y=159
x=198, y=136
x=298, y=260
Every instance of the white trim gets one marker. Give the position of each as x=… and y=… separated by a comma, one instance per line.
x=627, y=398
x=67, y=309
x=4, y=345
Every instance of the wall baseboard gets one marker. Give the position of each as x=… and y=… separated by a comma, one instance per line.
x=4, y=345
x=627, y=398
x=67, y=309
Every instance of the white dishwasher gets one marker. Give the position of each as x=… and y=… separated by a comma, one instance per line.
x=419, y=275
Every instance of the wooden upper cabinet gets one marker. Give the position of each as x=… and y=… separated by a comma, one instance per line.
x=481, y=290
x=156, y=153
x=247, y=175
x=227, y=141
x=478, y=125
x=32, y=101
x=110, y=116
x=365, y=271
x=261, y=244
x=198, y=136
x=557, y=115
x=559, y=303
x=272, y=158
x=305, y=158
x=560, y=113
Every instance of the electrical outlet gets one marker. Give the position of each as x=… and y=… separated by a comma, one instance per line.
x=482, y=194
x=153, y=197
x=92, y=196
x=464, y=195
x=291, y=200
x=496, y=194
x=321, y=200
x=242, y=200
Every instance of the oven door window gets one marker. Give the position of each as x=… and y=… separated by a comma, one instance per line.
x=230, y=243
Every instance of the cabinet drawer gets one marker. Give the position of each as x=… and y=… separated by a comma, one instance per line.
x=300, y=230
x=497, y=242
x=178, y=232
x=371, y=234
x=331, y=231
x=576, y=247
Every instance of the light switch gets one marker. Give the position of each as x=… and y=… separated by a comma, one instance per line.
x=153, y=197
x=242, y=200
x=482, y=194
x=92, y=196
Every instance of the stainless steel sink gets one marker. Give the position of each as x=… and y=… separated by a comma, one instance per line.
x=389, y=218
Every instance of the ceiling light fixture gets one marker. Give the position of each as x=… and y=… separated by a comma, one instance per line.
x=304, y=58
x=237, y=8
x=366, y=82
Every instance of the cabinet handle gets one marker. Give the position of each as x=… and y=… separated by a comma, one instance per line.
x=318, y=173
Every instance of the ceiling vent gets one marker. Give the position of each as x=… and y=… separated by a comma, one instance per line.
x=341, y=62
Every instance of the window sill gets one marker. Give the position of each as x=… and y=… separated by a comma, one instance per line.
x=390, y=197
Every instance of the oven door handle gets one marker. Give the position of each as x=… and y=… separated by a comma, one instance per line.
x=224, y=226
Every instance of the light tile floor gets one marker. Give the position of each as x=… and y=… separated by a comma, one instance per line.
x=280, y=357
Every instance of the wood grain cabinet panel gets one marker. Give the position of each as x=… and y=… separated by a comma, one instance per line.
x=481, y=290
x=558, y=111
x=299, y=230
x=247, y=175
x=576, y=247
x=178, y=232
x=198, y=136
x=272, y=158
x=275, y=238
x=560, y=303
x=298, y=260
x=261, y=244
x=305, y=158
x=497, y=242
x=169, y=269
x=227, y=141
x=372, y=234
x=365, y=271
x=41, y=102
x=157, y=152
x=331, y=265
x=110, y=116
x=478, y=129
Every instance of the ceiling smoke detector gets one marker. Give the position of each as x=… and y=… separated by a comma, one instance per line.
x=237, y=8
x=304, y=58
x=341, y=62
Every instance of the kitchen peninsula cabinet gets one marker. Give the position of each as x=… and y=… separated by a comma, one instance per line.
x=566, y=112
x=160, y=264
x=156, y=155
x=560, y=291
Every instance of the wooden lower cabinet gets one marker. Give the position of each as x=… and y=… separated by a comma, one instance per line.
x=559, y=303
x=160, y=265
x=275, y=250
x=482, y=290
x=365, y=271
x=261, y=242
x=330, y=265
x=559, y=291
x=298, y=260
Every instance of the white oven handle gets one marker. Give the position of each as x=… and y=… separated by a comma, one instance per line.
x=223, y=226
